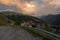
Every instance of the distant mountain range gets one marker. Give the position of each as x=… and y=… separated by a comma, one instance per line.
x=4, y=7
x=52, y=19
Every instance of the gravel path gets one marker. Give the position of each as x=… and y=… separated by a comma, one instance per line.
x=9, y=33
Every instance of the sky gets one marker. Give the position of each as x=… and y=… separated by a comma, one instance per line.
x=32, y=7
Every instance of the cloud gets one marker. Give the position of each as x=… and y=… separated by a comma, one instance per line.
x=17, y=3
x=53, y=2
x=43, y=7
x=49, y=7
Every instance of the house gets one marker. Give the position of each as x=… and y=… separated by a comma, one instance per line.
x=26, y=24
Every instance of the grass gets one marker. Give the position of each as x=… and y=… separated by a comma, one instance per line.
x=57, y=33
x=47, y=29
x=50, y=30
x=37, y=34
x=3, y=21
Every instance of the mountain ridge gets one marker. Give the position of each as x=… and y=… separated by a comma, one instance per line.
x=52, y=19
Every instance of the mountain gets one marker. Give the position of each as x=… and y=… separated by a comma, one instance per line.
x=4, y=7
x=52, y=19
x=18, y=18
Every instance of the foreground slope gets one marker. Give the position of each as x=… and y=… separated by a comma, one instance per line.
x=17, y=19
x=9, y=33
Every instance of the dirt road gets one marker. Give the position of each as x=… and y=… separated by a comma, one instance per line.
x=9, y=33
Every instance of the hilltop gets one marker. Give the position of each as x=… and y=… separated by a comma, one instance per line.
x=19, y=18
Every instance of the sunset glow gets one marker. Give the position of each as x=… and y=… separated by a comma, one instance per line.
x=30, y=5
x=29, y=8
x=26, y=7
x=34, y=7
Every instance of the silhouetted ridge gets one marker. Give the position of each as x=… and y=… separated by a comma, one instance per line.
x=52, y=19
